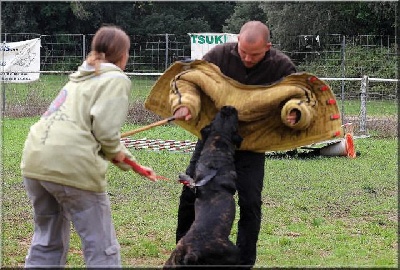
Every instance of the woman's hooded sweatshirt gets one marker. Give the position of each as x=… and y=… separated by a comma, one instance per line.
x=79, y=134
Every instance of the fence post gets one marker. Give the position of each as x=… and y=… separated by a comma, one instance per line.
x=363, y=105
x=84, y=47
x=343, y=68
x=166, y=51
x=3, y=82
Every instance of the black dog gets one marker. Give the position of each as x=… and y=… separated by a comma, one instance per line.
x=207, y=241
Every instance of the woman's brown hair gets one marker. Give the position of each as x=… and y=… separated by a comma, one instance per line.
x=109, y=44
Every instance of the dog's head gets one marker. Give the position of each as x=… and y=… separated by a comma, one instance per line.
x=225, y=122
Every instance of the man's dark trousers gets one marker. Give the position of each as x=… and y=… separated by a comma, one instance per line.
x=249, y=184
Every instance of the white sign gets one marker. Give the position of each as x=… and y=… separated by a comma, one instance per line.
x=20, y=61
x=201, y=43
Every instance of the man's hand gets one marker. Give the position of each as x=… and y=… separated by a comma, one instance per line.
x=293, y=117
x=183, y=113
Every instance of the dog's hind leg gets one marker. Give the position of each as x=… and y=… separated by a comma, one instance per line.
x=176, y=258
x=190, y=259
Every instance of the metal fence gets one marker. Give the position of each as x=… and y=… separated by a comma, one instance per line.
x=341, y=60
x=64, y=52
x=335, y=54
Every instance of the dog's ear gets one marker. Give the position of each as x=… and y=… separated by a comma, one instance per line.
x=205, y=131
x=237, y=140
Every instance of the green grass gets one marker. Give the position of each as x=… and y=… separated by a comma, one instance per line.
x=48, y=86
x=373, y=107
x=317, y=212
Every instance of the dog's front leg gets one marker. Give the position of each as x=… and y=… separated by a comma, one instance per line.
x=195, y=157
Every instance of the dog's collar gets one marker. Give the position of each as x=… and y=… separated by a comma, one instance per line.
x=207, y=178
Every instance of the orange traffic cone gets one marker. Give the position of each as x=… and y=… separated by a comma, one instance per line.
x=343, y=148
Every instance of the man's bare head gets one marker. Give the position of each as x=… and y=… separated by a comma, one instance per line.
x=253, y=43
x=252, y=31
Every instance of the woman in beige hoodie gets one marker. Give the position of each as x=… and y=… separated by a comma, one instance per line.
x=67, y=153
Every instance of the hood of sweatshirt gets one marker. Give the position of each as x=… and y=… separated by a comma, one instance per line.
x=86, y=71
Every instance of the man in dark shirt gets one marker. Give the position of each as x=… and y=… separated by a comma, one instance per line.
x=252, y=61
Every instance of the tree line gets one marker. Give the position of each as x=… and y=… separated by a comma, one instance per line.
x=160, y=17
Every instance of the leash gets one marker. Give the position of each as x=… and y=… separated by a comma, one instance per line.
x=183, y=178
x=139, y=169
